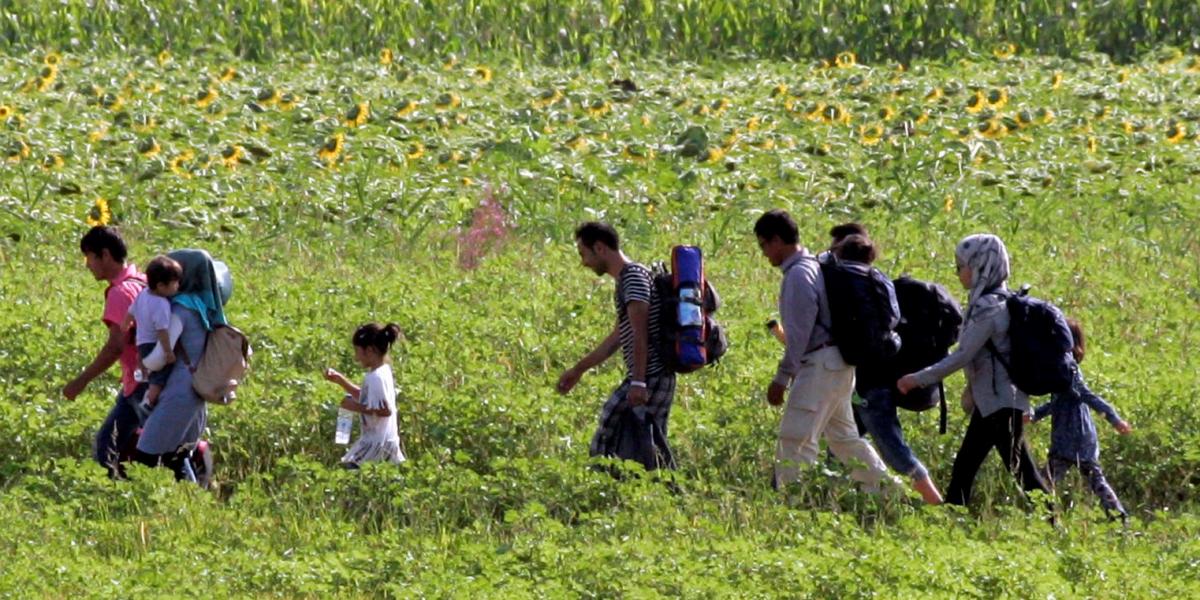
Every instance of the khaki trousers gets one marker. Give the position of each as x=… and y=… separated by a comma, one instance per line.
x=819, y=404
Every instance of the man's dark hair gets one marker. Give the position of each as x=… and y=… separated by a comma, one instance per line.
x=593, y=231
x=103, y=237
x=777, y=223
x=856, y=247
x=839, y=232
x=162, y=269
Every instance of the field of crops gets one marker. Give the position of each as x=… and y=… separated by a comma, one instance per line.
x=442, y=193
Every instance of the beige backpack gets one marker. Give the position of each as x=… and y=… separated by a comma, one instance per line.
x=222, y=366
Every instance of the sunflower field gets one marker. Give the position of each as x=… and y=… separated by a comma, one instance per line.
x=437, y=185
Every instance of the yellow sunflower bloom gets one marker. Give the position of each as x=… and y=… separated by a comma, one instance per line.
x=52, y=59
x=483, y=74
x=578, y=143
x=1056, y=80
x=598, y=108
x=547, y=98
x=815, y=112
x=149, y=147
x=720, y=106
x=1091, y=144
x=385, y=56
x=53, y=162
x=1193, y=65
x=753, y=124
x=934, y=94
x=176, y=164
x=447, y=101
x=287, y=101
x=417, y=150
x=18, y=151
x=993, y=129
x=845, y=60
x=1045, y=115
x=231, y=155
x=267, y=96
x=869, y=136
x=407, y=107
x=1004, y=51
x=948, y=203
x=6, y=112
x=164, y=57
x=1176, y=133
x=99, y=213
x=450, y=62
x=331, y=149
x=358, y=114
x=779, y=90
x=887, y=113
x=206, y=97
x=637, y=153
x=229, y=74
x=712, y=155
x=997, y=98
x=977, y=102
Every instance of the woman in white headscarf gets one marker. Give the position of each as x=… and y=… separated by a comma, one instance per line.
x=998, y=406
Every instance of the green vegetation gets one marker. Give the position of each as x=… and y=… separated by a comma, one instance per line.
x=592, y=29
x=339, y=191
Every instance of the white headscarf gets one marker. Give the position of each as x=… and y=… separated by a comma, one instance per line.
x=987, y=258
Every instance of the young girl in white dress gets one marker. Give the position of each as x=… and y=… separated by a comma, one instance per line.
x=375, y=401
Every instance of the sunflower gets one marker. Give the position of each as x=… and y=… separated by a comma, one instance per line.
x=934, y=94
x=417, y=150
x=711, y=155
x=447, y=101
x=977, y=102
x=1091, y=144
x=149, y=147
x=17, y=151
x=176, y=164
x=52, y=59
x=152, y=88
x=997, y=98
x=815, y=112
x=1004, y=51
x=1193, y=65
x=229, y=74
x=870, y=135
x=99, y=133
x=779, y=90
x=765, y=143
x=637, y=153
x=6, y=112
x=578, y=143
x=385, y=56
x=1176, y=133
x=845, y=60
x=206, y=97
x=993, y=129
x=720, y=106
x=267, y=96
x=645, y=120
x=887, y=113
x=948, y=203
x=287, y=101
x=164, y=57
x=358, y=114
x=483, y=74
x=231, y=155
x=753, y=124
x=836, y=114
x=52, y=162
x=1122, y=75
x=332, y=148
x=547, y=98
x=598, y=108
x=450, y=62
x=406, y=108
x=1056, y=80
x=98, y=214
x=1045, y=115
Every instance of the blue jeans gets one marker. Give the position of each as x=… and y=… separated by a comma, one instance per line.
x=116, y=435
x=878, y=414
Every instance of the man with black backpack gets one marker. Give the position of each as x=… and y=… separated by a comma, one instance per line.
x=820, y=380
x=643, y=399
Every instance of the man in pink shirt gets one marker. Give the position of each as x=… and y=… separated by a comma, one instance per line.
x=104, y=252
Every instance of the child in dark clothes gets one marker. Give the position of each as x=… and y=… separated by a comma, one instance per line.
x=1073, y=435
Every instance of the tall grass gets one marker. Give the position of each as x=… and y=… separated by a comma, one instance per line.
x=583, y=30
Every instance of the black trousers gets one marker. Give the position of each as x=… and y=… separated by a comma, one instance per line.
x=1004, y=431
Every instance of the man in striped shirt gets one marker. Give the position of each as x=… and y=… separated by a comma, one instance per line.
x=649, y=385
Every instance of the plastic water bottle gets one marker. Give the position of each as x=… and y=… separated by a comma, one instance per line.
x=345, y=421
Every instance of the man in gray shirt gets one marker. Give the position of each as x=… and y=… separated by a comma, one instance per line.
x=820, y=381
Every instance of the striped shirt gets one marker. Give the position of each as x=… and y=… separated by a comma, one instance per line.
x=635, y=284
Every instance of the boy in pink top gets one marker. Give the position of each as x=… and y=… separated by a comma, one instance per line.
x=104, y=252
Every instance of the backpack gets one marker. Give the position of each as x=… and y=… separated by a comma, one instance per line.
x=222, y=366
x=862, y=310
x=688, y=336
x=930, y=320
x=1040, y=360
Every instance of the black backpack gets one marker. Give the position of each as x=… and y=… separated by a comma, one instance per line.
x=716, y=343
x=1040, y=360
x=862, y=310
x=930, y=320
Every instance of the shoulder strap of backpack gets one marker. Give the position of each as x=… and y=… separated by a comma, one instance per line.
x=942, y=410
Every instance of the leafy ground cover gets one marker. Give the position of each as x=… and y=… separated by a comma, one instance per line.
x=442, y=196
